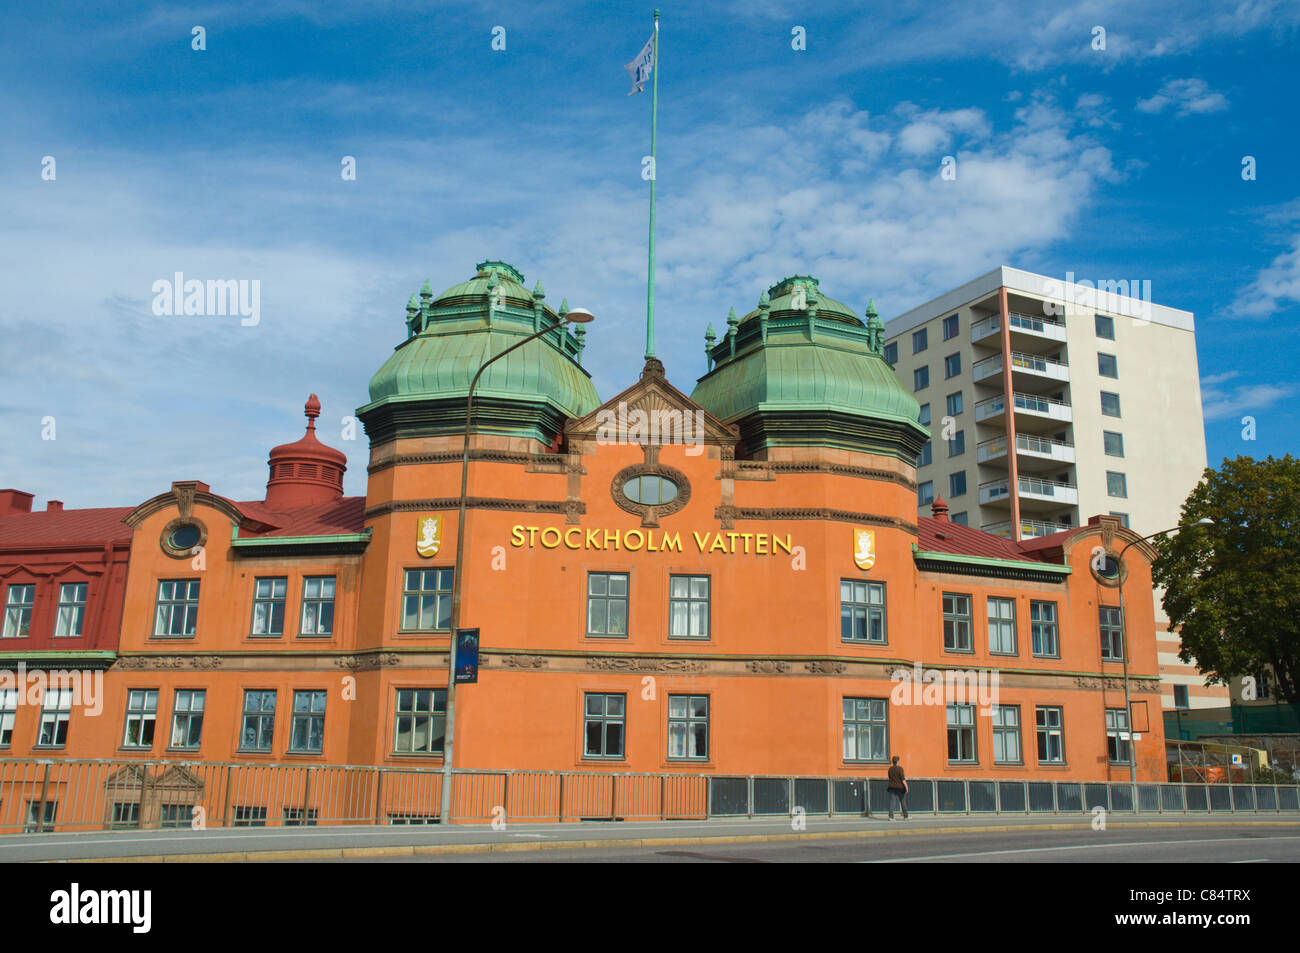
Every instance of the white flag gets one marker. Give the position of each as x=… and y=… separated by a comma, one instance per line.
x=640, y=67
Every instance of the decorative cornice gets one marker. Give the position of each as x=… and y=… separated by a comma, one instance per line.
x=475, y=503
x=813, y=513
x=766, y=470
x=368, y=662
x=199, y=662
x=532, y=462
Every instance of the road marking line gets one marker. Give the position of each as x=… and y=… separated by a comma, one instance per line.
x=1036, y=850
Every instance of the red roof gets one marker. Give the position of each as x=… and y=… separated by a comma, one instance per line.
x=331, y=518
x=91, y=527
x=944, y=536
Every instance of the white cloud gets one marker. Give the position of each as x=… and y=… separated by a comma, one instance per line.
x=142, y=400
x=1276, y=286
x=1187, y=96
x=1219, y=403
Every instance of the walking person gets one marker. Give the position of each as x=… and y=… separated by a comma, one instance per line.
x=897, y=788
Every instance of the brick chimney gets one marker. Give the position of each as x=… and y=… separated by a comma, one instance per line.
x=15, y=501
x=54, y=506
x=939, y=509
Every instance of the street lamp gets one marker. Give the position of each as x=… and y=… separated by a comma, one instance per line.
x=1123, y=623
x=575, y=316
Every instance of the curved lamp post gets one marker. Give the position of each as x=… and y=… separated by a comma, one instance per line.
x=1123, y=623
x=576, y=316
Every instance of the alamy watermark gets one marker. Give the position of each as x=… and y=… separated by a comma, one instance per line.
x=241, y=296
x=85, y=688
x=651, y=426
x=932, y=686
x=1128, y=297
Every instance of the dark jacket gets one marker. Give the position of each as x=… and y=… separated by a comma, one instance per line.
x=896, y=778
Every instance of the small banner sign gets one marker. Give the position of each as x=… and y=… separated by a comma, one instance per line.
x=466, y=656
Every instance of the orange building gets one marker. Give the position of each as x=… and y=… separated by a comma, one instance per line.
x=734, y=582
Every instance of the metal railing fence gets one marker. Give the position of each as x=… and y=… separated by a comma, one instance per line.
x=90, y=794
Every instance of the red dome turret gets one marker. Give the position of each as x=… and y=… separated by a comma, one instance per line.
x=305, y=472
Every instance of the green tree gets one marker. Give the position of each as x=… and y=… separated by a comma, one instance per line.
x=1233, y=589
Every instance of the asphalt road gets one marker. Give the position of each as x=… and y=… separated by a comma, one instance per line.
x=1200, y=844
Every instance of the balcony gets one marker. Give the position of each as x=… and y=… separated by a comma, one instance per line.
x=1033, y=491
x=1031, y=451
x=1028, y=371
x=1026, y=330
x=1033, y=411
x=1029, y=529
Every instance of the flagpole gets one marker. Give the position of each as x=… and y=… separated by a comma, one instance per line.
x=654, y=174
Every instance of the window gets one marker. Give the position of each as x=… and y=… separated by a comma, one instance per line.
x=56, y=711
x=954, y=404
x=956, y=623
x=1112, y=634
x=891, y=353
x=178, y=608
x=1002, y=626
x=1118, y=745
x=1109, y=404
x=957, y=445
x=307, y=729
x=426, y=600
x=1123, y=518
x=184, y=537
x=1042, y=626
x=923, y=415
x=961, y=733
x=1051, y=738
x=268, y=606
x=607, y=604
x=950, y=327
x=957, y=483
x=72, y=610
x=961, y=519
x=1107, y=365
x=300, y=817
x=1180, y=697
x=18, y=611
x=862, y=611
x=1116, y=484
x=866, y=729
x=688, y=607
x=421, y=723
x=1105, y=327
x=126, y=816
x=688, y=726
x=8, y=709
x=927, y=455
x=650, y=490
x=318, y=606
x=187, y=718
x=176, y=815
x=1006, y=734
x=259, y=721
x=1113, y=442
x=925, y=493
x=952, y=365
x=248, y=816
x=603, y=725
x=40, y=816
x=921, y=377
x=919, y=341
x=141, y=715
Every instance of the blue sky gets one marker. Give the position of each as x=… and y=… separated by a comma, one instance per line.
x=225, y=163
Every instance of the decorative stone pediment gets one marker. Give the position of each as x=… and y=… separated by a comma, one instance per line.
x=652, y=412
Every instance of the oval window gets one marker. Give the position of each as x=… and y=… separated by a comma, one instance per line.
x=650, y=490
x=186, y=536
x=1109, y=568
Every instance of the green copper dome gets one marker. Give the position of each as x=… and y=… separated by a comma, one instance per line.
x=802, y=369
x=421, y=389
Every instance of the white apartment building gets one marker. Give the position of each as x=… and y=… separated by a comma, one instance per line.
x=1095, y=387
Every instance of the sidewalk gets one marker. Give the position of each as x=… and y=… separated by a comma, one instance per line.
x=226, y=845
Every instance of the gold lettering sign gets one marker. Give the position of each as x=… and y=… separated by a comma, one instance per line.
x=428, y=536
x=732, y=543
x=864, y=548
